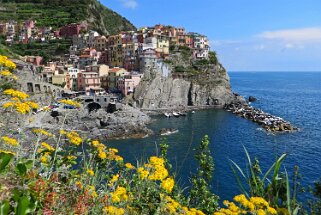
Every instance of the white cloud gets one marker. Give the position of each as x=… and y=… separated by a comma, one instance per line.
x=132, y=4
x=294, y=35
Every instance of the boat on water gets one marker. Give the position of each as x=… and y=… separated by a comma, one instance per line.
x=167, y=131
x=176, y=114
x=167, y=115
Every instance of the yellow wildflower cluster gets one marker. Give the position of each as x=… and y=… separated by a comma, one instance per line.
x=8, y=74
x=43, y=132
x=100, y=149
x=17, y=101
x=143, y=173
x=119, y=195
x=171, y=205
x=70, y=102
x=111, y=210
x=112, y=155
x=113, y=179
x=254, y=205
x=9, y=141
x=159, y=172
x=16, y=93
x=5, y=62
x=74, y=138
x=5, y=73
x=168, y=184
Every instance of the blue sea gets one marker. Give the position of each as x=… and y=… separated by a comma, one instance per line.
x=294, y=96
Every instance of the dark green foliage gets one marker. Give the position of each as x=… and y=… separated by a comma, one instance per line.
x=201, y=196
x=212, y=57
x=43, y=49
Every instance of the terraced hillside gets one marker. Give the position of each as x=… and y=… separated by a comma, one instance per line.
x=57, y=13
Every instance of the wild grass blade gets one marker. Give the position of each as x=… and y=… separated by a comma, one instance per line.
x=239, y=180
x=280, y=159
x=251, y=167
x=288, y=194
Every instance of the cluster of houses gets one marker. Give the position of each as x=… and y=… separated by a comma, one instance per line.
x=26, y=32
x=98, y=63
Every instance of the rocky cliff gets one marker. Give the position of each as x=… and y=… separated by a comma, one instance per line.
x=163, y=87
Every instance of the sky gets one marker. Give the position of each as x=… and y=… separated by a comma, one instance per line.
x=247, y=35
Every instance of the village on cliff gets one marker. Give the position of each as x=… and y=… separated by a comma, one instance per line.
x=99, y=64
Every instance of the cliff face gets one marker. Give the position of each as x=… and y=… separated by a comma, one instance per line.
x=163, y=88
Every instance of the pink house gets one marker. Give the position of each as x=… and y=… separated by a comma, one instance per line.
x=89, y=82
x=128, y=83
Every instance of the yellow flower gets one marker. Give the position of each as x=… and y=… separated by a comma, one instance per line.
x=271, y=210
x=43, y=132
x=79, y=184
x=7, y=152
x=22, y=107
x=5, y=73
x=90, y=172
x=33, y=105
x=142, y=173
x=111, y=210
x=74, y=138
x=102, y=155
x=171, y=205
x=47, y=146
x=95, y=143
x=168, y=184
x=62, y=132
x=16, y=93
x=259, y=202
x=10, y=141
x=119, y=195
x=261, y=212
x=8, y=105
x=113, y=179
x=71, y=157
x=71, y=103
x=129, y=166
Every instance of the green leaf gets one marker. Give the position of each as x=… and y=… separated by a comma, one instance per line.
x=21, y=169
x=288, y=194
x=281, y=158
x=4, y=160
x=4, y=207
x=250, y=165
x=23, y=205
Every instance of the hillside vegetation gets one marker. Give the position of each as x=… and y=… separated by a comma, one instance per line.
x=57, y=13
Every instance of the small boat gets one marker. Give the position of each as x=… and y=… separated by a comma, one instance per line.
x=167, y=115
x=167, y=131
x=175, y=114
x=193, y=111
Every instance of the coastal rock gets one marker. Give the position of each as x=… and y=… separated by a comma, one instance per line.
x=252, y=99
x=161, y=88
